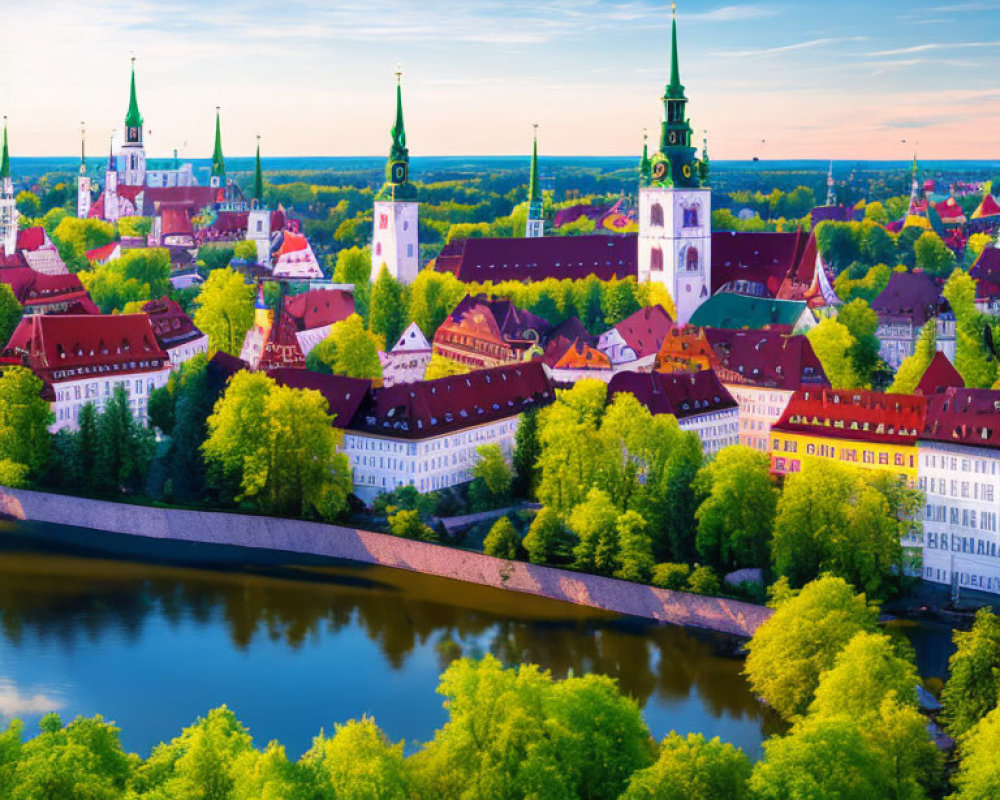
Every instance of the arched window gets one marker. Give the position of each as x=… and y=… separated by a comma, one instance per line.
x=656, y=258
x=690, y=217
x=656, y=215
x=691, y=259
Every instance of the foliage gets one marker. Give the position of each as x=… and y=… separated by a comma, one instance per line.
x=493, y=471
x=526, y=452
x=136, y=227
x=502, y=541
x=594, y=522
x=933, y=256
x=358, y=763
x=978, y=777
x=635, y=550
x=354, y=266
x=547, y=540
x=348, y=349
x=671, y=576
x=443, y=367
x=10, y=313
x=215, y=256
x=140, y=274
x=245, y=251
x=24, y=421
x=12, y=474
x=737, y=515
x=974, y=669
x=915, y=365
x=790, y=651
x=977, y=367
x=832, y=342
x=861, y=322
x=691, y=768
x=869, y=286
x=225, y=311
x=387, y=317
x=432, y=297
x=28, y=204
x=703, y=580
x=73, y=237
x=124, y=447
x=408, y=525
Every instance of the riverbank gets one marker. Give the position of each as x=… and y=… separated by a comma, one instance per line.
x=723, y=615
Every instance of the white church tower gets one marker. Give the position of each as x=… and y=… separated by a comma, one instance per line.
x=535, y=225
x=395, y=239
x=83, y=181
x=259, y=218
x=111, y=206
x=133, y=153
x=675, y=207
x=8, y=204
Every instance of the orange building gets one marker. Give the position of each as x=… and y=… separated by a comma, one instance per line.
x=685, y=348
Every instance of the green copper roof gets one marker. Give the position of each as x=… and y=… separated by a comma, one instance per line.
x=397, y=174
x=534, y=189
x=258, y=178
x=675, y=90
x=645, y=167
x=218, y=162
x=399, y=151
x=5, y=159
x=737, y=311
x=133, y=119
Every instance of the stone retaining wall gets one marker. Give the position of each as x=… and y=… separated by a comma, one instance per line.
x=294, y=536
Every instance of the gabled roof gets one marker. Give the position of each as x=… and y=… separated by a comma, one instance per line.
x=412, y=340
x=685, y=348
x=764, y=258
x=224, y=366
x=344, y=395
x=988, y=208
x=504, y=320
x=535, y=259
x=64, y=346
x=195, y=198
x=963, y=416
x=37, y=289
x=580, y=355
x=175, y=220
x=680, y=394
x=986, y=271
x=318, y=308
x=766, y=359
x=939, y=375
x=644, y=330
x=31, y=238
x=735, y=311
x=433, y=408
x=282, y=348
x=171, y=326
x=102, y=253
x=950, y=211
x=571, y=328
x=914, y=296
x=855, y=414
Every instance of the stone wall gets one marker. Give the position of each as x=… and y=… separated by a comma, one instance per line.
x=294, y=536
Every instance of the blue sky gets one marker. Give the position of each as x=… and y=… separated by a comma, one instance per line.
x=792, y=79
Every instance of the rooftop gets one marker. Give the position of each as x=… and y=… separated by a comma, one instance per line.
x=963, y=416
x=914, y=296
x=854, y=414
x=344, y=395
x=939, y=375
x=171, y=326
x=645, y=330
x=319, y=307
x=766, y=359
x=736, y=311
x=680, y=394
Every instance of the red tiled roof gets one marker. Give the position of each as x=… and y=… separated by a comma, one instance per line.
x=224, y=366
x=910, y=295
x=766, y=359
x=963, y=416
x=344, y=395
x=171, y=326
x=580, y=355
x=103, y=252
x=571, y=328
x=61, y=347
x=231, y=221
x=685, y=348
x=560, y=257
x=950, y=211
x=37, y=289
x=30, y=238
x=319, y=307
x=855, y=414
x=291, y=243
x=939, y=375
x=433, y=408
x=282, y=348
x=175, y=220
x=764, y=258
x=986, y=271
x=680, y=394
x=194, y=198
x=644, y=330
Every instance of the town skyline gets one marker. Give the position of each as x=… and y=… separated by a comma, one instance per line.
x=763, y=81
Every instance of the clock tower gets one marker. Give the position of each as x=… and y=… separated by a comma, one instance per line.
x=675, y=205
x=132, y=152
x=395, y=240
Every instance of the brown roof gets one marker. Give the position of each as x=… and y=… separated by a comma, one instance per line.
x=433, y=408
x=344, y=395
x=939, y=375
x=319, y=307
x=764, y=258
x=914, y=296
x=193, y=197
x=171, y=325
x=963, y=416
x=644, y=330
x=766, y=359
x=680, y=394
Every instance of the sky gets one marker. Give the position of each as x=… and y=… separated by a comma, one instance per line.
x=852, y=79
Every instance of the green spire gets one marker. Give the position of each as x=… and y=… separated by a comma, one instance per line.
x=399, y=151
x=534, y=188
x=218, y=162
x=675, y=91
x=5, y=158
x=133, y=119
x=258, y=178
x=645, y=167
x=397, y=170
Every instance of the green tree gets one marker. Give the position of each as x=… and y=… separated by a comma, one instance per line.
x=974, y=669
x=10, y=313
x=408, y=525
x=358, y=763
x=387, y=316
x=125, y=448
x=136, y=227
x=933, y=256
x=28, y=204
x=225, y=311
x=73, y=237
x=978, y=777
x=914, y=366
x=138, y=275
x=348, y=349
x=245, y=251
x=547, y=540
x=790, y=651
x=635, y=549
x=433, y=295
x=443, y=367
x=214, y=256
x=502, y=541
x=862, y=322
x=671, y=576
x=691, y=768
x=977, y=367
x=832, y=342
x=526, y=452
x=618, y=301
x=86, y=452
x=703, y=580
x=876, y=212
x=839, y=243
x=736, y=517
x=24, y=420
x=195, y=392
x=494, y=473
x=594, y=523
x=877, y=245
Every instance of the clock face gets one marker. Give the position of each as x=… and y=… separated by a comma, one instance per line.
x=398, y=172
x=659, y=170
x=672, y=137
x=686, y=171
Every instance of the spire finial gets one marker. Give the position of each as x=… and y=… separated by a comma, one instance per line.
x=5, y=157
x=399, y=73
x=83, y=147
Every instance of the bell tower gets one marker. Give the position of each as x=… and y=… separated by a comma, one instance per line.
x=259, y=218
x=395, y=239
x=133, y=152
x=8, y=205
x=675, y=205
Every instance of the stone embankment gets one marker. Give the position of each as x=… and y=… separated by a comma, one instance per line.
x=295, y=536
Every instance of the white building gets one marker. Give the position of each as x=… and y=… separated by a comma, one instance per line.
x=83, y=358
x=959, y=473
x=407, y=361
x=426, y=434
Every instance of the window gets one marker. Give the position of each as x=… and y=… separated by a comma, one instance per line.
x=656, y=260
x=383, y=221
x=656, y=215
x=409, y=251
x=690, y=217
x=691, y=260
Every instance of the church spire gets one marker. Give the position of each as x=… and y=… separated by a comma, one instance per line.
x=675, y=90
x=536, y=224
x=397, y=170
x=258, y=178
x=83, y=148
x=5, y=158
x=399, y=151
x=218, y=161
x=831, y=195
x=676, y=155
x=645, y=168
x=133, y=119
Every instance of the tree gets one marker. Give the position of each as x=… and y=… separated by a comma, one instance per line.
x=974, y=669
x=977, y=367
x=86, y=452
x=443, y=367
x=245, y=251
x=618, y=301
x=839, y=243
x=914, y=366
x=862, y=322
x=125, y=448
x=24, y=420
x=358, y=763
x=354, y=266
x=348, y=349
x=138, y=275
x=933, y=256
x=526, y=452
x=635, y=550
x=671, y=576
x=594, y=522
x=832, y=342
x=736, y=517
x=703, y=580
x=494, y=473
x=10, y=313
x=225, y=310
x=790, y=651
x=876, y=212
x=195, y=392
x=679, y=504
x=877, y=245
x=136, y=227
x=502, y=541
x=547, y=540
x=387, y=316
x=978, y=777
x=432, y=297
x=408, y=525
x=73, y=237
x=214, y=256
x=28, y=204
x=691, y=768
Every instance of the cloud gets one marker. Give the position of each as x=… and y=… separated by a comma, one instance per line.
x=740, y=13
x=932, y=46
x=15, y=704
x=787, y=48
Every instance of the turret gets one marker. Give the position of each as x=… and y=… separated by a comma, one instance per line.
x=831, y=194
x=259, y=218
x=218, y=161
x=111, y=184
x=132, y=151
x=535, y=225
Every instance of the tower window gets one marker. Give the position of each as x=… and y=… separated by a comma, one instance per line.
x=690, y=217
x=656, y=215
x=378, y=248
x=409, y=251
x=656, y=258
x=383, y=221
x=691, y=260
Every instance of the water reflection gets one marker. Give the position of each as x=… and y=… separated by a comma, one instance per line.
x=50, y=599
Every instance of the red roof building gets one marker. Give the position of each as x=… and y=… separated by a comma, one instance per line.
x=963, y=417
x=344, y=395
x=319, y=308
x=908, y=302
x=939, y=375
x=685, y=348
x=637, y=339
x=48, y=294
x=175, y=331
x=755, y=263
x=483, y=332
x=765, y=359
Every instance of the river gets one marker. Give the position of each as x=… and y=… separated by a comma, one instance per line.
x=152, y=634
